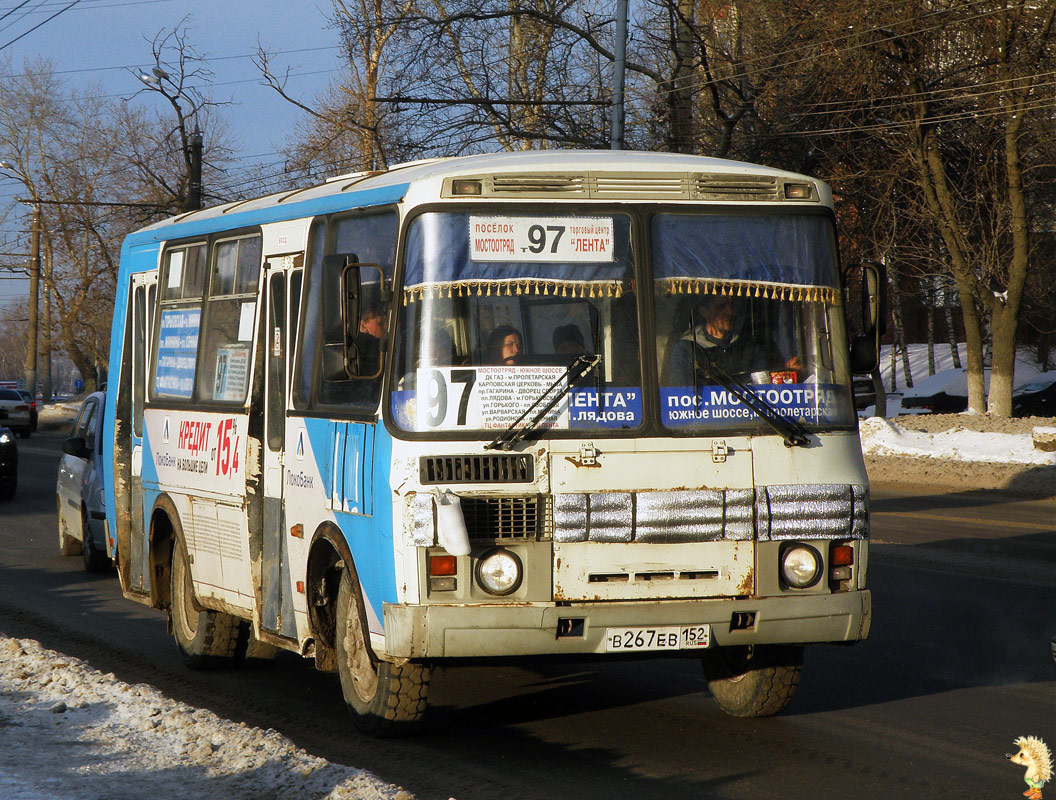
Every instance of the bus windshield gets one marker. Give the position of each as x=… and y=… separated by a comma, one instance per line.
x=497, y=306
x=752, y=301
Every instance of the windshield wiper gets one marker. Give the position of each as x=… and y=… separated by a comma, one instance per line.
x=794, y=434
x=580, y=367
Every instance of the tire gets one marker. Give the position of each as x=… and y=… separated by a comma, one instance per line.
x=756, y=681
x=383, y=698
x=25, y=433
x=95, y=560
x=68, y=545
x=8, y=492
x=207, y=639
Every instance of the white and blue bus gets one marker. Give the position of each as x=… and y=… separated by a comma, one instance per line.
x=582, y=404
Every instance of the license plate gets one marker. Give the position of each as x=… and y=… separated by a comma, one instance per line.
x=668, y=637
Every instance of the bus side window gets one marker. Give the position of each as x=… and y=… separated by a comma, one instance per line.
x=174, y=355
x=229, y=317
x=372, y=237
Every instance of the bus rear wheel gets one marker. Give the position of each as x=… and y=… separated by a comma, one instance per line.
x=384, y=699
x=754, y=681
x=207, y=639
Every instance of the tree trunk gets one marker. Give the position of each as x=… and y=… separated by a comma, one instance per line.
x=900, y=333
x=974, y=345
x=951, y=332
x=880, y=408
x=929, y=298
x=680, y=98
x=1003, y=375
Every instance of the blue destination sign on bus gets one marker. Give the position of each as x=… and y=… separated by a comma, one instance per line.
x=177, y=351
x=810, y=402
x=614, y=408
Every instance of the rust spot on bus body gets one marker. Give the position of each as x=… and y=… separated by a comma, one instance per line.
x=575, y=462
x=747, y=584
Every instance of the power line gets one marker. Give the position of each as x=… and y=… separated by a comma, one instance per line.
x=45, y=22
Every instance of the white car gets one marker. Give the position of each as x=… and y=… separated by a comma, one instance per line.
x=79, y=489
x=14, y=413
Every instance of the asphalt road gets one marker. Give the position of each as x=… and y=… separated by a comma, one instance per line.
x=958, y=665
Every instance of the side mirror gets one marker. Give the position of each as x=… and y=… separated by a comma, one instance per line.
x=356, y=353
x=865, y=349
x=77, y=447
x=874, y=299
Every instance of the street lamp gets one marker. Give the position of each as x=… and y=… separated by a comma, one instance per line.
x=193, y=146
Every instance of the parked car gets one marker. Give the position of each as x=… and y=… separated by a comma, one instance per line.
x=8, y=464
x=79, y=489
x=14, y=413
x=1036, y=398
x=864, y=392
x=944, y=392
x=32, y=402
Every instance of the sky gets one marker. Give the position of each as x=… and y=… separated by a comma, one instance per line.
x=105, y=43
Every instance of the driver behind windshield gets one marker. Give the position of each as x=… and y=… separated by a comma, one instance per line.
x=712, y=334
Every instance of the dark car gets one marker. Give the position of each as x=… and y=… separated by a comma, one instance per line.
x=8, y=464
x=864, y=393
x=938, y=403
x=31, y=401
x=1036, y=398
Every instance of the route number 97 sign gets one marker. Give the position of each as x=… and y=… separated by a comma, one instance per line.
x=557, y=239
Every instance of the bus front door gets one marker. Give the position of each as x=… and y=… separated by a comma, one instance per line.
x=144, y=289
x=282, y=293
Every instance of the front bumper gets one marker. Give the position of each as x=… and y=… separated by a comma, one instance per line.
x=474, y=631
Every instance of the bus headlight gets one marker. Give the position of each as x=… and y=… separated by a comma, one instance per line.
x=499, y=572
x=800, y=566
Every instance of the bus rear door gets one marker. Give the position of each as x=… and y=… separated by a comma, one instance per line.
x=282, y=302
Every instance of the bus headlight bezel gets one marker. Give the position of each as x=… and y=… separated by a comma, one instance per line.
x=499, y=572
x=801, y=565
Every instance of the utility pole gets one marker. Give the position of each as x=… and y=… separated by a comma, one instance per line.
x=194, y=178
x=34, y=292
x=619, y=68
x=46, y=376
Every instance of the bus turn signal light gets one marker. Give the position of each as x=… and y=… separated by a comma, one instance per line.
x=443, y=565
x=841, y=555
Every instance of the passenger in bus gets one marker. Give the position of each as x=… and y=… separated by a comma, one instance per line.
x=568, y=341
x=504, y=346
x=372, y=321
x=712, y=336
x=369, y=342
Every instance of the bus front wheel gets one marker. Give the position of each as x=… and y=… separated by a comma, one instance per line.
x=207, y=639
x=754, y=681
x=383, y=698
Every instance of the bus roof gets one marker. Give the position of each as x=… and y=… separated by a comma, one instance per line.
x=558, y=174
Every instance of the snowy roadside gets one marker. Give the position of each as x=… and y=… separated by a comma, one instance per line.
x=69, y=732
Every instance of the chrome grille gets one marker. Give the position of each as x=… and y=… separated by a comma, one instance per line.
x=505, y=518
x=739, y=187
x=508, y=468
x=658, y=186
x=574, y=185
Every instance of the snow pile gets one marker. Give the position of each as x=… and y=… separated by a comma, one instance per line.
x=881, y=437
x=68, y=732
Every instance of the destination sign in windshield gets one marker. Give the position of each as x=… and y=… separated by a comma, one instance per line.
x=554, y=239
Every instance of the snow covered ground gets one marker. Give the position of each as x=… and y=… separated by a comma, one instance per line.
x=69, y=732
x=882, y=437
